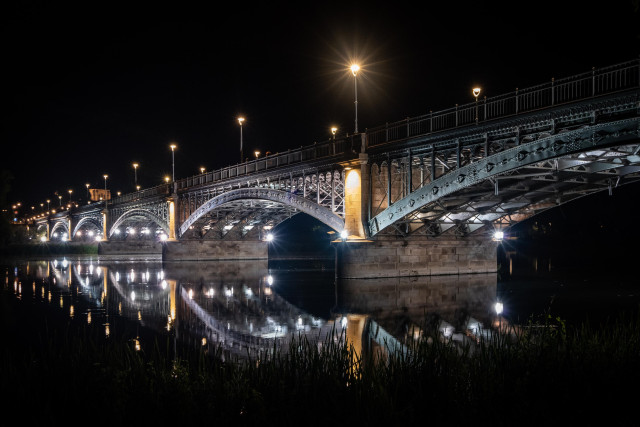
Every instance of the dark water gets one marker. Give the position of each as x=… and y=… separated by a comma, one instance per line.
x=250, y=304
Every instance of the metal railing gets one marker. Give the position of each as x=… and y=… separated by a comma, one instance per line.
x=142, y=194
x=303, y=154
x=583, y=86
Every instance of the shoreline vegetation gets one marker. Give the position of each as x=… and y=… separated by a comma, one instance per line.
x=57, y=371
x=20, y=250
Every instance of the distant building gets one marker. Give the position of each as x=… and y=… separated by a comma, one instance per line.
x=99, y=194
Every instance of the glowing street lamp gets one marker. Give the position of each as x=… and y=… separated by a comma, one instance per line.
x=173, y=162
x=60, y=199
x=476, y=93
x=333, y=132
x=87, y=185
x=240, y=120
x=257, y=153
x=48, y=201
x=166, y=179
x=105, y=176
x=70, y=191
x=202, y=169
x=354, y=70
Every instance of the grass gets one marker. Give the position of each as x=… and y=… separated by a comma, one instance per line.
x=58, y=372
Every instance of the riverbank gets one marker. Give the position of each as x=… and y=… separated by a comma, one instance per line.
x=45, y=249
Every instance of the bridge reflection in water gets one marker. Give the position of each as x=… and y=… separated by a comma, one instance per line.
x=245, y=308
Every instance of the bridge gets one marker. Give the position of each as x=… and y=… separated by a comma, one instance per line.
x=420, y=196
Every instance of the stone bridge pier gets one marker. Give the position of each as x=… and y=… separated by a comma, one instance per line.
x=215, y=250
x=392, y=255
x=415, y=256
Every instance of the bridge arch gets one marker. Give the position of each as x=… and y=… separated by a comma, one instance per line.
x=286, y=198
x=137, y=213
x=84, y=221
x=570, y=145
x=57, y=225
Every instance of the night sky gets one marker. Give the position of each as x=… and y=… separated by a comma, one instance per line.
x=91, y=87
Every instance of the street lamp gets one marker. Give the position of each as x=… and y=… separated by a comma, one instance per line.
x=135, y=174
x=48, y=201
x=354, y=70
x=333, y=132
x=166, y=179
x=60, y=199
x=105, y=176
x=87, y=185
x=70, y=191
x=202, y=169
x=173, y=162
x=476, y=93
x=240, y=120
x=257, y=153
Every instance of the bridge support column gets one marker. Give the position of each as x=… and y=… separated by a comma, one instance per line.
x=105, y=230
x=416, y=256
x=172, y=217
x=355, y=198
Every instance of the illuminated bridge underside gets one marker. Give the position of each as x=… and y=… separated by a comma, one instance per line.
x=244, y=212
x=517, y=183
x=140, y=219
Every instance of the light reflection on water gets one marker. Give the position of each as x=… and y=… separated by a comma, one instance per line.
x=245, y=306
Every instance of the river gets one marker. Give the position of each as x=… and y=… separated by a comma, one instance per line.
x=249, y=305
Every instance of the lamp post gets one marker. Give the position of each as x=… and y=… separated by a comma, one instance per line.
x=240, y=120
x=333, y=132
x=476, y=93
x=88, y=185
x=70, y=191
x=48, y=201
x=173, y=161
x=60, y=199
x=135, y=174
x=202, y=169
x=354, y=70
x=257, y=153
x=105, y=176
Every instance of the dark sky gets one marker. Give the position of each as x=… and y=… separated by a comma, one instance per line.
x=91, y=87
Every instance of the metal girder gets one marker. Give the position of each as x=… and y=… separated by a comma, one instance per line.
x=280, y=197
x=569, y=144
